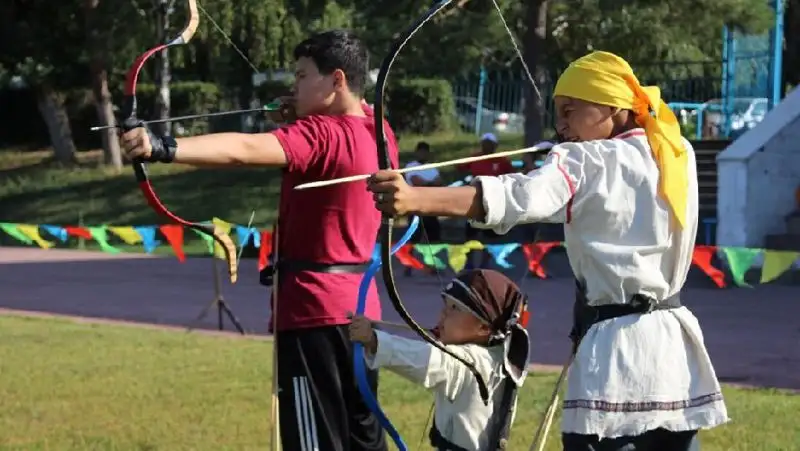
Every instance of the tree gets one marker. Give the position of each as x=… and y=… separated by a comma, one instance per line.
x=164, y=11
x=645, y=31
x=98, y=54
x=44, y=60
x=535, y=37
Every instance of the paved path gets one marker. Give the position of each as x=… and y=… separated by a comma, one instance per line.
x=753, y=335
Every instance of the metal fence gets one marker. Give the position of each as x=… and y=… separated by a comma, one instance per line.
x=751, y=79
x=714, y=99
x=495, y=101
x=485, y=100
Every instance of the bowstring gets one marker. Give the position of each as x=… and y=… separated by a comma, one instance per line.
x=517, y=49
x=432, y=258
x=243, y=243
x=227, y=38
x=427, y=424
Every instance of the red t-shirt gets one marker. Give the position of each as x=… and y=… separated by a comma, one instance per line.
x=332, y=224
x=492, y=166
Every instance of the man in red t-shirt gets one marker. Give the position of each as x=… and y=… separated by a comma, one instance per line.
x=491, y=167
x=325, y=240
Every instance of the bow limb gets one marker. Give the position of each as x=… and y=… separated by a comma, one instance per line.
x=275, y=422
x=359, y=366
x=385, y=162
x=128, y=111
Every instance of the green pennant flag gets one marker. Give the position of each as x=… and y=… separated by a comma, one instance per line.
x=740, y=259
x=429, y=251
x=12, y=230
x=101, y=236
x=208, y=239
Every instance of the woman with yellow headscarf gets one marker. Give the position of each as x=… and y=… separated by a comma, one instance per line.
x=624, y=184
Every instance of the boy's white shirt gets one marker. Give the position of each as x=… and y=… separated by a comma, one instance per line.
x=459, y=413
x=633, y=373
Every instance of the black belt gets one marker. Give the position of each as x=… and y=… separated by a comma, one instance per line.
x=267, y=275
x=585, y=315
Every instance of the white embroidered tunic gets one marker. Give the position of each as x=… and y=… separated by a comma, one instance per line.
x=459, y=413
x=638, y=372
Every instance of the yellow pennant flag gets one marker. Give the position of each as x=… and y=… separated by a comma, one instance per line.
x=128, y=234
x=32, y=231
x=457, y=253
x=776, y=263
x=226, y=227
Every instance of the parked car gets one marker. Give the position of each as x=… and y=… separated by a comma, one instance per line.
x=493, y=119
x=746, y=113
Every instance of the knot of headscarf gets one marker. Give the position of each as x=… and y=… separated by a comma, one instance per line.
x=607, y=79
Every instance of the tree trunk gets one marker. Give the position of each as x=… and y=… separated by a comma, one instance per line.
x=112, y=154
x=51, y=107
x=533, y=45
x=163, y=74
x=103, y=103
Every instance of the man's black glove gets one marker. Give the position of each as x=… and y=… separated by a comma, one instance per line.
x=163, y=147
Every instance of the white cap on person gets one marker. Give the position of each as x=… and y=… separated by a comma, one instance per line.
x=489, y=137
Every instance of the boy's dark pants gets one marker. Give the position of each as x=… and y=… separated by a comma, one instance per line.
x=321, y=408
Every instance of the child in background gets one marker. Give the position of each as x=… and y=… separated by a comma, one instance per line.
x=427, y=177
x=491, y=167
x=430, y=228
x=483, y=319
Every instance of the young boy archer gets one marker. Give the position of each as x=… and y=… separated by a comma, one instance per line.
x=483, y=319
x=326, y=236
x=624, y=184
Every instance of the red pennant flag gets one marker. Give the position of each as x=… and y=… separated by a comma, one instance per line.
x=174, y=235
x=524, y=316
x=535, y=253
x=265, y=250
x=405, y=258
x=80, y=232
x=702, y=258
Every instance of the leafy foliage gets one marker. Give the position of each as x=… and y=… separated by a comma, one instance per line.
x=421, y=106
x=46, y=45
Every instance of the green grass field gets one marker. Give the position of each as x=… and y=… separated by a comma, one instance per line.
x=75, y=386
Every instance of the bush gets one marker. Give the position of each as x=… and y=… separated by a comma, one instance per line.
x=421, y=106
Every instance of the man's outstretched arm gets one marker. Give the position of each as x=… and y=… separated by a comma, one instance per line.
x=544, y=195
x=231, y=149
x=219, y=149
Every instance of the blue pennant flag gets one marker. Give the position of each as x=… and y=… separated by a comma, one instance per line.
x=56, y=231
x=243, y=235
x=500, y=252
x=148, y=234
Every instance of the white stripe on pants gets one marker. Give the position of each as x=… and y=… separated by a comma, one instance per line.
x=304, y=411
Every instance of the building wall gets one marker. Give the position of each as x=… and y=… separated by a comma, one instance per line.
x=757, y=178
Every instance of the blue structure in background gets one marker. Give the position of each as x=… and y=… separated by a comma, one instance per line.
x=752, y=66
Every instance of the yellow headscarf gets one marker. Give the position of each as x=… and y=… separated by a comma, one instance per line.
x=607, y=79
